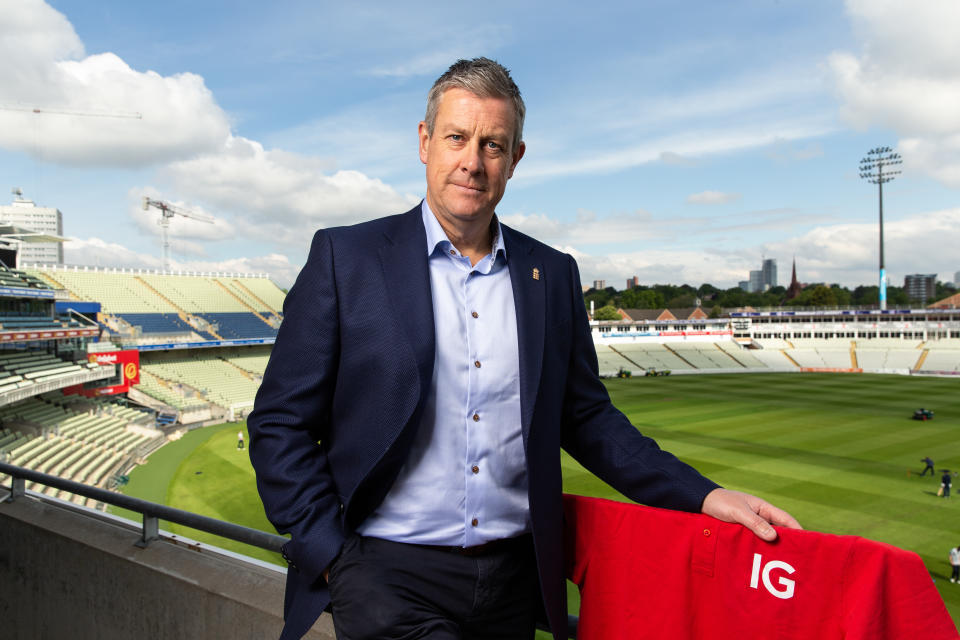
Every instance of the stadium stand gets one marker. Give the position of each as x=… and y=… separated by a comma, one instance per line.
x=652, y=355
x=165, y=305
x=259, y=293
x=251, y=360
x=941, y=355
x=157, y=322
x=82, y=439
x=611, y=362
x=172, y=394
x=881, y=354
x=227, y=378
x=744, y=356
x=22, y=369
x=704, y=355
x=238, y=325
x=16, y=278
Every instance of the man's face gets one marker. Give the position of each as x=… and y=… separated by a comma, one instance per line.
x=469, y=157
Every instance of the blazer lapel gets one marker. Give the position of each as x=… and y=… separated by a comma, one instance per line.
x=528, y=280
x=406, y=273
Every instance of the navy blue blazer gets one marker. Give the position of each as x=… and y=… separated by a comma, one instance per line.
x=344, y=389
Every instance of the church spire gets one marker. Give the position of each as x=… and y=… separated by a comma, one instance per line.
x=794, y=290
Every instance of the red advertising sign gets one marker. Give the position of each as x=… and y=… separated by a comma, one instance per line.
x=128, y=368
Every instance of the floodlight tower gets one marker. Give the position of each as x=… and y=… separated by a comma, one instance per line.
x=872, y=170
x=167, y=211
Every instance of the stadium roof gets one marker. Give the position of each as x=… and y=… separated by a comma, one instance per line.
x=22, y=234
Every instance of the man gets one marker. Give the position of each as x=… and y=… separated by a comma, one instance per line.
x=442, y=360
x=955, y=564
x=929, y=466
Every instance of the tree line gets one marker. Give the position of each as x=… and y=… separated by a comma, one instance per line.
x=714, y=300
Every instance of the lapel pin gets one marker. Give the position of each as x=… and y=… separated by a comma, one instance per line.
x=536, y=273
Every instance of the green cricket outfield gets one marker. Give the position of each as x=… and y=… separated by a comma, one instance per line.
x=839, y=451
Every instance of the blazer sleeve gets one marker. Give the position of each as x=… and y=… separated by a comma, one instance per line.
x=292, y=413
x=604, y=441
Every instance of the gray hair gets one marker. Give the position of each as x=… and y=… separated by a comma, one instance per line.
x=484, y=78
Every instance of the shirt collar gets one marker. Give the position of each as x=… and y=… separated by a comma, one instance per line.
x=436, y=236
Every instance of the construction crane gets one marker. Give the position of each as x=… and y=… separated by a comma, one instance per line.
x=167, y=211
x=72, y=112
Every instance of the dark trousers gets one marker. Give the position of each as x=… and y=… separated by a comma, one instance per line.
x=955, y=572
x=383, y=590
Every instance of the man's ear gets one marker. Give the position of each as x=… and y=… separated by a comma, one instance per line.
x=521, y=149
x=424, y=136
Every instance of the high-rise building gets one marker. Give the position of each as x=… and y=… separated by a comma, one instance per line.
x=920, y=287
x=599, y=284
x=24, y=213
x=769, y=273
x=633, y=282
x=956, y=278
x=763, y=279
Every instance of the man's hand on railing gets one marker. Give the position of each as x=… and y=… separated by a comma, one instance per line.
x=752, y=512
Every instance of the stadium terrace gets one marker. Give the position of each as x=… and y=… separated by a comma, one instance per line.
x=102, y=368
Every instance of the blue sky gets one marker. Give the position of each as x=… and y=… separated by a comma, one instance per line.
x=679, y=142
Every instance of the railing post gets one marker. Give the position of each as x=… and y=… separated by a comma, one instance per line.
x=18, y=488
x=150, y=531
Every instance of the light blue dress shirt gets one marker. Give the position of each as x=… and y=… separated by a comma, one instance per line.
x=465, y=480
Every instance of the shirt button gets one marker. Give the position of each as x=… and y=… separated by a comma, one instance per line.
x=476, y=417
x=475, y=469
x=452, y=252
x=474, y=522
x=476, y=363
x=475, y=314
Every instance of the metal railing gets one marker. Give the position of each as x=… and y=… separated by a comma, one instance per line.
x=152, y=514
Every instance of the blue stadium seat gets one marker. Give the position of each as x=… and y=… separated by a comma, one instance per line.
x=234, y=326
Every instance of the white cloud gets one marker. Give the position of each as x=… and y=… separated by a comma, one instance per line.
x=276, y=265
x=906, y=77
x=98, y=252
x=101, y=253
x=782, y=151
x=832, y=253
x=45, y=66
x=676, y=160
x=713, y=197
x=848, y=253
x=377, y=137
x=280, y=197
x=693, y=143
x=641, y=228
x=662, y=267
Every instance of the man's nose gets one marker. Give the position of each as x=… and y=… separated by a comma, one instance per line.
x=472, y=161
